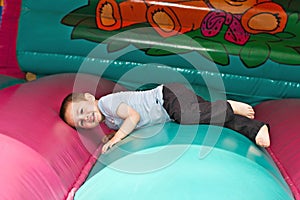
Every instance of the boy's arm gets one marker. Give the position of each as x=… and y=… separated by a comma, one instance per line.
x=131, y=119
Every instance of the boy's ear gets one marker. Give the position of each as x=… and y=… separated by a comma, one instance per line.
x=89, y=97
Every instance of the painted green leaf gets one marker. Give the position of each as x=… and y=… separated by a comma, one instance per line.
x=231, y=48
x=76, y=16
x=116, y=46
x=145, y=39
x=293, y=24
x=214, y=51
x=91, y=34
x=125, y=38
x=285, y=55
x=290, y=42
x=285, y=35
x=264, y=38
x=254, y=54
x=173, y=45
x=157, y=52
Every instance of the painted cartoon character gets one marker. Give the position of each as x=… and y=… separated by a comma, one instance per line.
x=168, y=17
x=172, y=17
x=243, y=18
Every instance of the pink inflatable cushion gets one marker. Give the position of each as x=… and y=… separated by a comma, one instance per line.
x=283, y=117
x=41, y=156
x=8, y=39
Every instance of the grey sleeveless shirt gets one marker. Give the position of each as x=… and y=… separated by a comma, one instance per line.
x=149, y=104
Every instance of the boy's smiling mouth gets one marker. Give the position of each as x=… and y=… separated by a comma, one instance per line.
x=93, y=117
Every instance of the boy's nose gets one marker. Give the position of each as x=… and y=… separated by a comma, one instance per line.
x=88, y=118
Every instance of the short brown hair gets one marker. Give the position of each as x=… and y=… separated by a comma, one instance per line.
x=72, y=97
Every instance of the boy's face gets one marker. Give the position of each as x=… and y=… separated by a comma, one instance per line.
x=84, y=114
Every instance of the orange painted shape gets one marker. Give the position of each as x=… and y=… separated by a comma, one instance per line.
x=268, y=14
x=113, y=16
x=133, y=12
x=183, y=17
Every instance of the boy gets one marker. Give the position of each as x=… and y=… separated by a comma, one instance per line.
x=126, y=111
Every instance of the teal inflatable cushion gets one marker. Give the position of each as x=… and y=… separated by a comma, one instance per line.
x=185, y=162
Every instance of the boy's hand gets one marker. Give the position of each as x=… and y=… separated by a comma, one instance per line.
x=107, y=146
x=111, y=143
x=130, y=117
x=107, y=137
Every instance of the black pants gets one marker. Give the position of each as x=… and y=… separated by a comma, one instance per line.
x=185, y=107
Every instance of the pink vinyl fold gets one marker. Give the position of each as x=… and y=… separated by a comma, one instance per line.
x=41, y=156
x=8, y=34
x=283, y=117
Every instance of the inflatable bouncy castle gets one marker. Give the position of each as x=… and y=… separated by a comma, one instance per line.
x=242, y=50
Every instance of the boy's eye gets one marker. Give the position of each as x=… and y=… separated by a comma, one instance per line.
x=81, y=123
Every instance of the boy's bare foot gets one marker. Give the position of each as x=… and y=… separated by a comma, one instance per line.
x=262, y=138
x=243, y=109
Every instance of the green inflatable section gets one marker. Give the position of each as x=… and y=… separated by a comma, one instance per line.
x=162, y=164
x=62, y=36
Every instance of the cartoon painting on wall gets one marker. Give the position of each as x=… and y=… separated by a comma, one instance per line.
x=227, y=27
